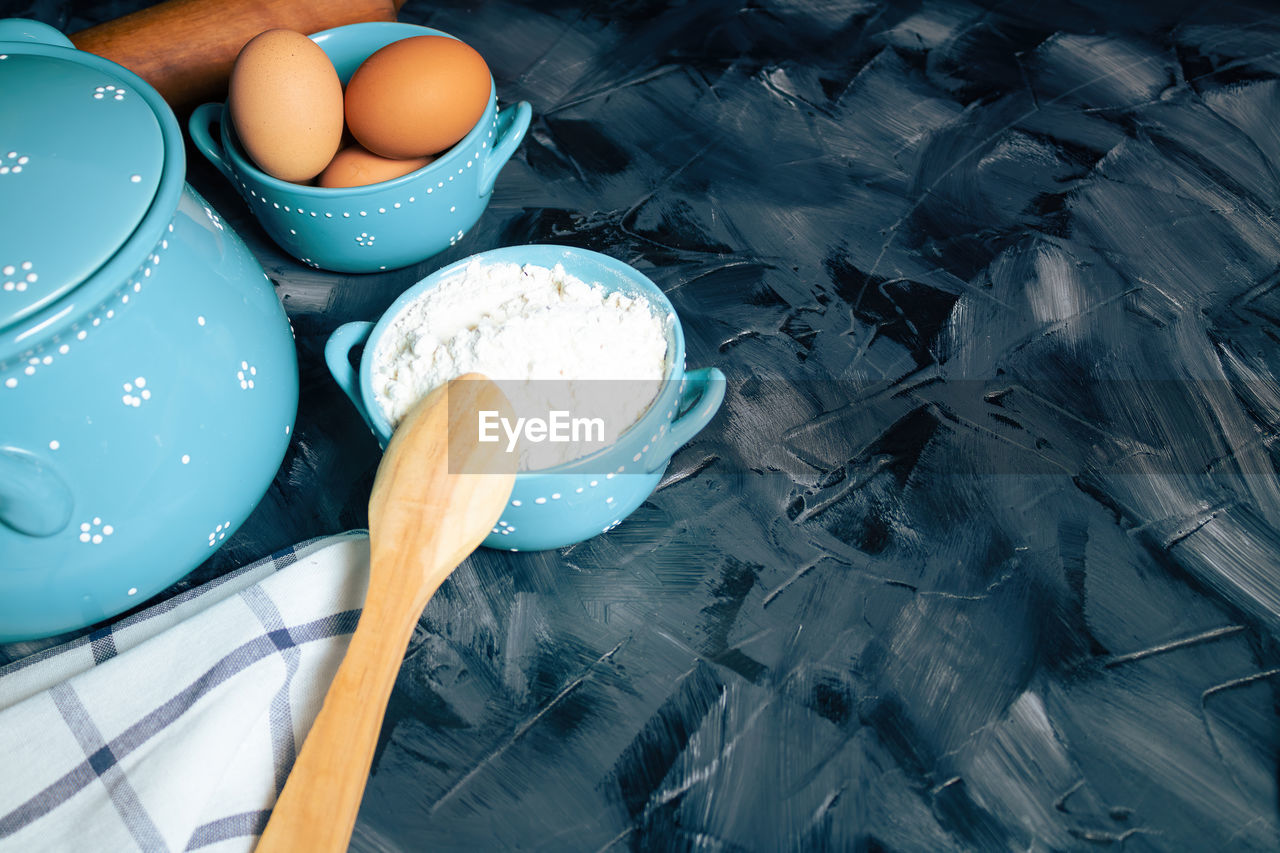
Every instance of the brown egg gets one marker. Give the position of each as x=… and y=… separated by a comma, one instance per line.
x=286, y=104
x=354, y=166
x=417, y=96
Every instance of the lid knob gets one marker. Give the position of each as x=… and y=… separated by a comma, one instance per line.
x=21, y=29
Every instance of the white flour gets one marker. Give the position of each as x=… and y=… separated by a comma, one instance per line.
x=517, y=323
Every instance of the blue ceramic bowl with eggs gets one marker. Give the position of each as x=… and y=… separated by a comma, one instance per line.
x=574, y=501
x=379, y=226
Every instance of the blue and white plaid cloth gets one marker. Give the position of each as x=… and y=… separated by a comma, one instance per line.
x=174, y=729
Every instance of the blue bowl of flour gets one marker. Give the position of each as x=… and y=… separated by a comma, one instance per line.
x=573, y=501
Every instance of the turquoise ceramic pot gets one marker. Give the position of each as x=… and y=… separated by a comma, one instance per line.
x=380, y=226
x=148, y=378
x=558, y=506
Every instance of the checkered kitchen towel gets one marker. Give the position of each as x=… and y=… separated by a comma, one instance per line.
x=174, y=729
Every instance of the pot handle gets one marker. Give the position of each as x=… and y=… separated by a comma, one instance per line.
x=512, y=125
x=34, y=499
x=200, y=127
x=699, y=401
x=337, y=355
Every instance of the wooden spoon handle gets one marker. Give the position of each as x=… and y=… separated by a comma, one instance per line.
x=318, y=807
x=437, y=494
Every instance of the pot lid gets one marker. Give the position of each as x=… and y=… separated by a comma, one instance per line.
x=81, y=156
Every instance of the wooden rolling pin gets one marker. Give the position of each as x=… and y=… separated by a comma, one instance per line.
x=185, y=48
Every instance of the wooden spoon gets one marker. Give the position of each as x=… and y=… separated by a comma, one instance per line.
x=436, y=495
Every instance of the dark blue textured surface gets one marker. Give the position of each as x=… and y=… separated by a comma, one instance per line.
x=983, y=551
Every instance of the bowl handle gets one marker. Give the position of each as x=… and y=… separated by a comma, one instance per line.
x=512, y=124
x=200, y=127
x=699, y=401
x=337, y=355
x=34, y=499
